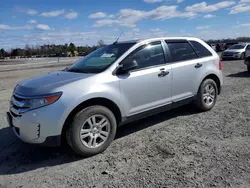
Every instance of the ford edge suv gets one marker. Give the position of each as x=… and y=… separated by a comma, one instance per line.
x=114, y=85
x=237, y=51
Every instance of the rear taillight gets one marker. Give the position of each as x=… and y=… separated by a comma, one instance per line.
x=220, y=65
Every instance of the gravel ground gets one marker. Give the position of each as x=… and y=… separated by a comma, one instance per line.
x=178, y=148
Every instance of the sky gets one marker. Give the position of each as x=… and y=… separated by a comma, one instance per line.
x=84, y=22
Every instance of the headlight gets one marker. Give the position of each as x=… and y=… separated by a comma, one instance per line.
x=41, y=101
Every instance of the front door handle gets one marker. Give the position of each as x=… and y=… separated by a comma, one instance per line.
x=198, y=65
x=163, y=73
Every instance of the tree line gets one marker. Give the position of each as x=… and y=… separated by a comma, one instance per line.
x=229, y=40
x=50, y=50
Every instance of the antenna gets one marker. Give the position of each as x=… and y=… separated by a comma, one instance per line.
x=118, y=38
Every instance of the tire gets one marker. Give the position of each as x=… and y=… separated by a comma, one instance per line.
x=248, y=69
x=84, y=118
x=200, y=102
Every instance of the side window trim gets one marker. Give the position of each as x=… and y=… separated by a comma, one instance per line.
x=153, y=66
x=167, y=53
x=193, y=49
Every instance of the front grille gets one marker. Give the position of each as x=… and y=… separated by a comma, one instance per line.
x=14, y=115
x=17, y=105
x=18, y=98
x=228, y=53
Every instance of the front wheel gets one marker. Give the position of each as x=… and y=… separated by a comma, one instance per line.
x=92, y=130
x=207, y=95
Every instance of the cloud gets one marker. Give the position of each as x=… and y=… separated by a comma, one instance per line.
x=203, y=27
x=111, y=16
x=129, y=17
x=62, y=37
x=54, y=13
x=242, y=25
x=209, y=16
x=240, y=8
x=7, y=27
x=180, y=1
x=204, y=7
x=32, y=21
x=155, y=30
x=244, y=1
x=136, y=30
x=71, y=15
x=31, y=12
x=42, y=27
x=98, y=15
x=152, y=1
x=4, y=27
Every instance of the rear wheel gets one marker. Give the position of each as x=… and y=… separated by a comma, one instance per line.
x=207, y=95
x=92, y=130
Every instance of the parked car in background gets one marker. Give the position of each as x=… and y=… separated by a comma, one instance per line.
x=213, y=46
x=114, y=85
x=237, y=51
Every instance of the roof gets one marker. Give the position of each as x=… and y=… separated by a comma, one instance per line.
x=160, y=38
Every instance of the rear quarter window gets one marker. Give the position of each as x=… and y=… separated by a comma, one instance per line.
x=200, y=50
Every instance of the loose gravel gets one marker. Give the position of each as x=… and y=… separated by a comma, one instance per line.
x=178, y=148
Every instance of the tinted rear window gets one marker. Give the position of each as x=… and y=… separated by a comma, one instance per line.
x=181, y=51
x=200, y=49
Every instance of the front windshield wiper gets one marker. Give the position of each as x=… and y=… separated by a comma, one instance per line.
x=76, y=70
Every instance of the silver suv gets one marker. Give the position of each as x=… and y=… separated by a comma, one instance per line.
x=237, y=51
x=113, y=85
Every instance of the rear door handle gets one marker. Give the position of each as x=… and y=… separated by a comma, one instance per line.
x=198, y=65
x=163, y=73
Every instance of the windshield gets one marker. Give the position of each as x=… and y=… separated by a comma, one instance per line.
x=100, y=59
x=238, y=46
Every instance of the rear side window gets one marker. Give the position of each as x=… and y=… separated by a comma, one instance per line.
x=200, y=49
x=181, y=51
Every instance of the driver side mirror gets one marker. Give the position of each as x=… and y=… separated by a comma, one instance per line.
x=127, y=66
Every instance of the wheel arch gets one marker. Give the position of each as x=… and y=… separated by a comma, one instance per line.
x=94, y=101
x=215, y=78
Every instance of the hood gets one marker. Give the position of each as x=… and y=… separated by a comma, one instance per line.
x=235, y=50
x=45, y=84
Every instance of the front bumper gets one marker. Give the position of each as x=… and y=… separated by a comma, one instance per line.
x=31, y=133
x=247, y=62
x=39, y=126
x=235, y=56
